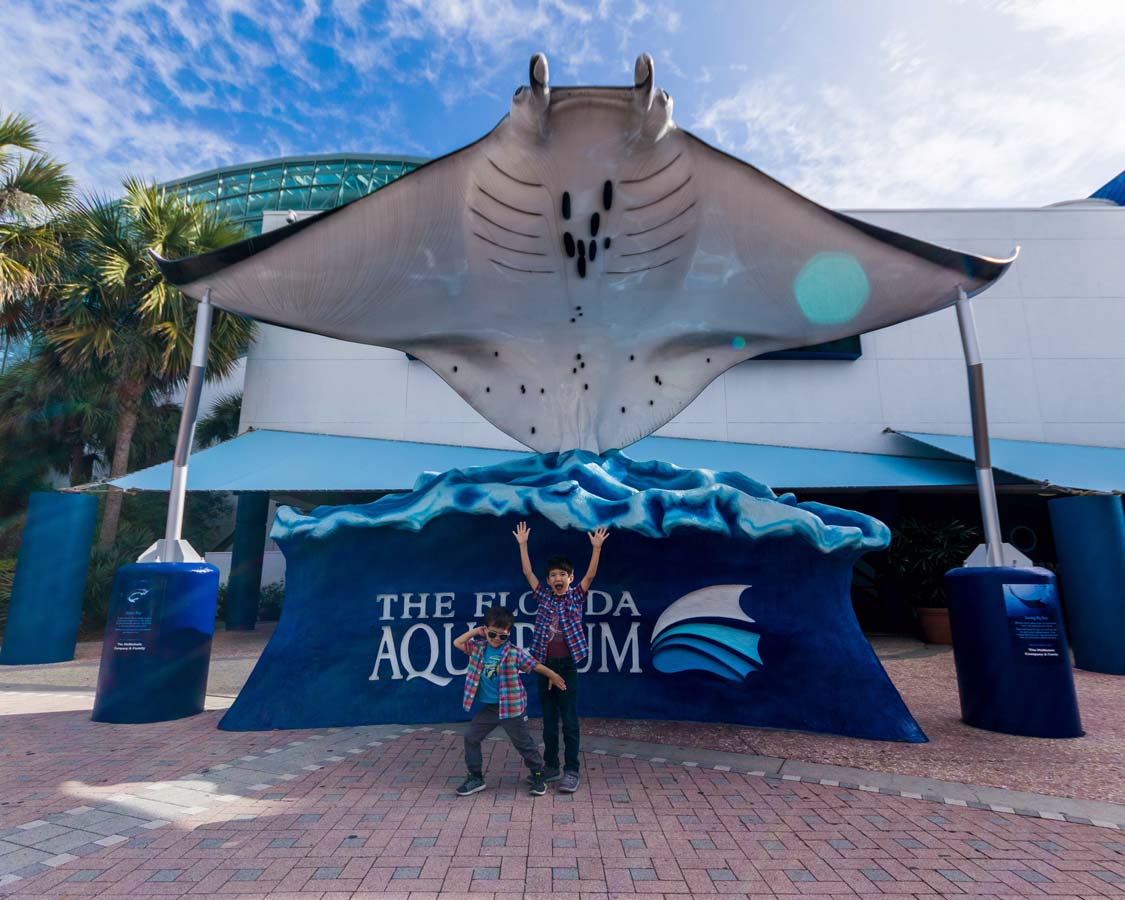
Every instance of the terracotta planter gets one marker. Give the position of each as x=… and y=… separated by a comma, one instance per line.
x=935, y=625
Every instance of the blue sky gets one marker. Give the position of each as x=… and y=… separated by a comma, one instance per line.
x=857, y=103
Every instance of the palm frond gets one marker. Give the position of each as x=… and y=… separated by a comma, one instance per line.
x=18, y=131
x=221, y=422
x=16, y=280
x=35, y=185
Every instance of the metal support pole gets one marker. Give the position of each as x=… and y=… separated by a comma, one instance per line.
x=986, y=487
x=173, y=548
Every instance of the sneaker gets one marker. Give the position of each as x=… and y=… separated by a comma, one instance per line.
x=549, y=774
x=569, y=783
x=538, y=786
x=471, y=785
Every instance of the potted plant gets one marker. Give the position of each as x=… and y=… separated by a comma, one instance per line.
x=920, y=554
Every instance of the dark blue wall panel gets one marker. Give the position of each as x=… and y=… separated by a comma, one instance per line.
x=46, y=604
x=1090, y=539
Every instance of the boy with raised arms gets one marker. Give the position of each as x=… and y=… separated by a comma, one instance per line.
x=559, y=641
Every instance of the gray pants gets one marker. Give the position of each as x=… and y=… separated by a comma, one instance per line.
x=483, y=724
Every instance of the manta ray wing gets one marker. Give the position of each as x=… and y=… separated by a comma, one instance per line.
x=808, y=274
x=370, y=271
x=584, y=270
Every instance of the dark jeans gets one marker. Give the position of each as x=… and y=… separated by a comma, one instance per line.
x=560, y=706
x=483, y=724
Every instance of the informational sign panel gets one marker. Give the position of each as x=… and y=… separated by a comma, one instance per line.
x=696, y=627
x=135, y=623
x=1033, y=620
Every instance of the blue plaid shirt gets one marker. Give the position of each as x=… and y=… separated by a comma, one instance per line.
x=569, y=608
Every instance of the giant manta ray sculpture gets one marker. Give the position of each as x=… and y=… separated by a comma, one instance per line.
x=585, y=269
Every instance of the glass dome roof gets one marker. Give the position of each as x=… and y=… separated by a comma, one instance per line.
x=242, y=193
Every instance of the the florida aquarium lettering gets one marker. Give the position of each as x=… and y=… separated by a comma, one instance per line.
x=424, y=649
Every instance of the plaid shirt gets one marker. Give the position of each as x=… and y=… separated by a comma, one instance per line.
x=513, y=663
x=569, y=608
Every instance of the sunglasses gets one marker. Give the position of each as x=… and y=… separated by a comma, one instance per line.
x=502, y=635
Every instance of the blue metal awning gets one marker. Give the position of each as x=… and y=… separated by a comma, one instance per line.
x=296, y=461
x=1063, y=466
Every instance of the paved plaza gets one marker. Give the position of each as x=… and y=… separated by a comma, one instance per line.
x=183, y=809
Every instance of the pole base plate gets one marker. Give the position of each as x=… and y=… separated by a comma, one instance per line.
x=170, y=552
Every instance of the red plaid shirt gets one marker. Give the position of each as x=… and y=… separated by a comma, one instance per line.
x=513, y=663
x=569, y=608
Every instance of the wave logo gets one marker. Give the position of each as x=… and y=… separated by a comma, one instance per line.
x=707, y=631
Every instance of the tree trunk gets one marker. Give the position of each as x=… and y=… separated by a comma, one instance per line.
x=77, y=469
x=128, y=407
x=4, y=361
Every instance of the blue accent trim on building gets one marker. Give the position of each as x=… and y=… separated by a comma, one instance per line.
x=848, y=348
x=295, y=461
x=1074, y=466
x=1113, y=190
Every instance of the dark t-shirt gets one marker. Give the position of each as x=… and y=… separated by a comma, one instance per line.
x=556, y=640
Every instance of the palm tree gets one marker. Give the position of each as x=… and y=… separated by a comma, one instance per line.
x=33, y=188
x=221, y=423
x=118, y=315
x=55, y=417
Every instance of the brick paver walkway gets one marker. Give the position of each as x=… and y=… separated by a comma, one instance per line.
x=182, y=809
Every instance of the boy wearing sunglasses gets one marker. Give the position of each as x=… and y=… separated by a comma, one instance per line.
x=559, y=640
x=494, y=690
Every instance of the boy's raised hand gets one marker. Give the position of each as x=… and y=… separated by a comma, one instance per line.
x=521, y=533
x=598, y=535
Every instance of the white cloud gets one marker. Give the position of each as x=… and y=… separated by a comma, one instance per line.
x=910, y=117
x=930, y=129
x=168, y=88
x=1099, y=20
x=95, y=77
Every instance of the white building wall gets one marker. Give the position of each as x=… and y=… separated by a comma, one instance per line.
x=1051, y=334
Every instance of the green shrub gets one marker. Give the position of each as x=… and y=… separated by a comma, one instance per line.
x=269, y=606
x=922, y=552
x=221, y=606
x=7, y=576
x=270, y=599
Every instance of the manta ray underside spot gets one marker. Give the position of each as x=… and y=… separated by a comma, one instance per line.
x=585, y=269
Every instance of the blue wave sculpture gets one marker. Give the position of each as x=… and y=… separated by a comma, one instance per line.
x=716, y=600
x=581, y=490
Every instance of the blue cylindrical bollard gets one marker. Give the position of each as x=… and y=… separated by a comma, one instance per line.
x=1090, y=538
x=157, y=646
x=1009, y=645
x=50, y=581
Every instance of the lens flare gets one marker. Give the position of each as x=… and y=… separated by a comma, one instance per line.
x=739, y=343
x=831, y=288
